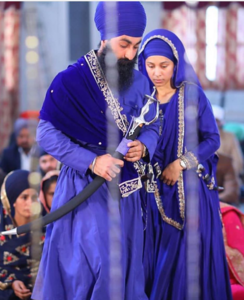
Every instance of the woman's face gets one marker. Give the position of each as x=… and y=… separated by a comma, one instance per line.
x=23, y=203
x=49, y=194
x=160, y=70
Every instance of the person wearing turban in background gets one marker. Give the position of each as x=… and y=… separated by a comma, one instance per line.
x=48, y=185
x=81, y=111
x=17, y=267
x=47, y=162
x=229, y=145
x=18, y=155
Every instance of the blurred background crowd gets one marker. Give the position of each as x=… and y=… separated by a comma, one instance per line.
x=39, y=39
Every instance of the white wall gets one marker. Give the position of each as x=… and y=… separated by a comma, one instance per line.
x=49, y=19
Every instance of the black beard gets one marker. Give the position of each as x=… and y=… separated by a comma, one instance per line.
x=125, y=69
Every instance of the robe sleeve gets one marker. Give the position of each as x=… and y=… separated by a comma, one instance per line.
x=62, y=148
x=208, y=140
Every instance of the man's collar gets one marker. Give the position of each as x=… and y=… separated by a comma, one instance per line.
x=21, y=151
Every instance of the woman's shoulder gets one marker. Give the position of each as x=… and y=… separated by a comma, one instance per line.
x=193, y=87
x=194, y=91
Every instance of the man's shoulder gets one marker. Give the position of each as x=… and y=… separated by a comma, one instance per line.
x=67, y=78
x=67, y=75
x=141, y=82
x=139, y=76
x=194, y=88
x=10, y=150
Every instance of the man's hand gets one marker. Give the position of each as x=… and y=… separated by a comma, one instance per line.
x=20, y=290
x=171, y=173
x=135, y=152
x=107, y=166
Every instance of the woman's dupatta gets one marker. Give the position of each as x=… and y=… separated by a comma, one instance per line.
x=173, y=130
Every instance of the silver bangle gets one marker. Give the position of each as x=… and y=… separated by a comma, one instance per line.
x=93, y=164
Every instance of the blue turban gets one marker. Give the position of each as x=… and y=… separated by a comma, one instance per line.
x=42, y=152
x=120, y=18
x=15, y=184
x=158, y=47
x=19, y=125
x=24, y=123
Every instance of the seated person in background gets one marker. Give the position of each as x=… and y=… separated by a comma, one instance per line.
x=48, y=186
x=47, y=162
x=233, y=231
x=238, y=130
x=228, y=179
x=229, y=144
x=31, y=116
x=17, y=156
x=17, y=267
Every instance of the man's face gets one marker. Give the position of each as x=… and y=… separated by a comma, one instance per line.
x=125, y=46
x=24, y=139
x=48, y=163
x=50, y=193
x=160, y=70
x=125, y=49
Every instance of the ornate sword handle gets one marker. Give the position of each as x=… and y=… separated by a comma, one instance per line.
x=140, y=120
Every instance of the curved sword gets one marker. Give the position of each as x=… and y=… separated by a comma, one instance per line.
x=132, y=133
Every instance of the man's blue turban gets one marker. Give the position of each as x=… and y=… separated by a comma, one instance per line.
x=120, y=18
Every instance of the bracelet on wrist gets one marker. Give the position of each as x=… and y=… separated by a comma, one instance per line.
x=145, y=151
x=93, y=164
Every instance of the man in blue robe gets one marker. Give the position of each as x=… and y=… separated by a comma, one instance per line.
x=80, y=120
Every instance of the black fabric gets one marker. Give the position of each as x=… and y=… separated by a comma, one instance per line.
x=10, y=159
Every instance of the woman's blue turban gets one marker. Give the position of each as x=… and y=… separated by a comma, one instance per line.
x=120, y=18
x=15, y=184
x=158, y=47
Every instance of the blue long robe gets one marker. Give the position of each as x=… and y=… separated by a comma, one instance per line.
x=76, y=259
x=166, y=248
x=172, y=231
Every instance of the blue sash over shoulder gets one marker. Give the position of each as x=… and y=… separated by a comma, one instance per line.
x=76, y=104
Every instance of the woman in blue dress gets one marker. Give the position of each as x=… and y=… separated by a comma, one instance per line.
x=186, y=149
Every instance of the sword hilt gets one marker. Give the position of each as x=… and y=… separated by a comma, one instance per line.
x=140, y=120
x=90, y=188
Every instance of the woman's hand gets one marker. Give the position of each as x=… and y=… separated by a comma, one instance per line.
x=20, y=290
x=171, y=173
x=135, y=152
